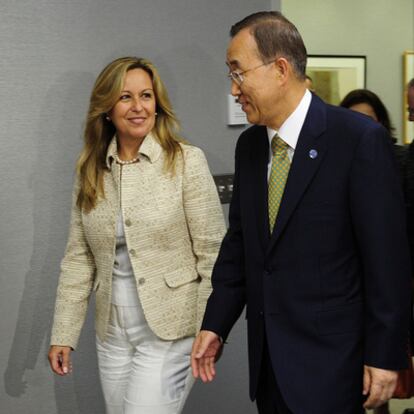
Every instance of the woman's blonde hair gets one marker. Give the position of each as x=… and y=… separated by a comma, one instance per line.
x=98, y=134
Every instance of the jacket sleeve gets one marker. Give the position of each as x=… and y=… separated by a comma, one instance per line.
x=205, y=221
x=378, y=216
x=75, y=283
x=228, y=298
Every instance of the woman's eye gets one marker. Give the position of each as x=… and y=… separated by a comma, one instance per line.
x=147, y=96
x=123, y=97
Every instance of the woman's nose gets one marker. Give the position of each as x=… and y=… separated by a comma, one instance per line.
x=136, y=105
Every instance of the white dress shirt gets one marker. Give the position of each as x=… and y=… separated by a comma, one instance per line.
x=290, y=129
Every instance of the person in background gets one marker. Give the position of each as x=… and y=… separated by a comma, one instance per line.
x=368, y=103
x=410, y=100
x=410, y=181
x=145, y=231
x=410, y=174
x=316, y=248
x=309, y=83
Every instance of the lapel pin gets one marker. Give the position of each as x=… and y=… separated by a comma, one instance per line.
x=313, y=153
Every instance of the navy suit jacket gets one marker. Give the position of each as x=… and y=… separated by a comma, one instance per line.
x=330, y=287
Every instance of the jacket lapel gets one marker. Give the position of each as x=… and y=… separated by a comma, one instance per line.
x=310, y=150
x=259, y=158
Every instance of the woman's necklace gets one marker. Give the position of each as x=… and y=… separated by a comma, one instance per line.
x=126, y=162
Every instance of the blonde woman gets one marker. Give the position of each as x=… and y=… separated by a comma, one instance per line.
x=145, y=231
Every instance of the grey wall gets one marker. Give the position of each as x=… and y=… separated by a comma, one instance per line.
x=275, y=5
x=51, y=52
x=379, y=29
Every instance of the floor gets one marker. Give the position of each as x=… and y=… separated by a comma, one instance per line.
x=398, y=406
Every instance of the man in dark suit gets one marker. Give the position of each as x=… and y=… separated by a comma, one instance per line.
x=316, y=246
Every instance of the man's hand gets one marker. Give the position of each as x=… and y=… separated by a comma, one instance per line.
x=379, y=384
x=206, y=350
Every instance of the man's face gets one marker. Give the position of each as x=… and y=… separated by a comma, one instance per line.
x=258, y=92
x=410, y=100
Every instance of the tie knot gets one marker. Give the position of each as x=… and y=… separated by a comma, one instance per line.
x=278, y=145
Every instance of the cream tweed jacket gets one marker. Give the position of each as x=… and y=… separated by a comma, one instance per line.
x=173, y=226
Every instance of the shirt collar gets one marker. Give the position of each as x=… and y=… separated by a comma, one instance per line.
x=150, y=148
x=290, y=129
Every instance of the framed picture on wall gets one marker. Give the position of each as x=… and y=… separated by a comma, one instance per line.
x=408, y=74
x=333, y=76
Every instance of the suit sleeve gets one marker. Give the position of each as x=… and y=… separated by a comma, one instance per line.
x=205, y=220
x=75, y=282
x=228, y=297
x=378, y=216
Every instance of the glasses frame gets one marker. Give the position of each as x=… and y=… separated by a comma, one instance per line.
x=238, y=77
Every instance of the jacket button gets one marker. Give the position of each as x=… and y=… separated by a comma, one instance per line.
x=141, y=281
x=128, y=222
x=261, y=313
x=132, y=252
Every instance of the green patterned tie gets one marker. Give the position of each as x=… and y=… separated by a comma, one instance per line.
x=278, y=176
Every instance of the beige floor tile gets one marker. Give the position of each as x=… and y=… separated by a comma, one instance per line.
x=398, y=406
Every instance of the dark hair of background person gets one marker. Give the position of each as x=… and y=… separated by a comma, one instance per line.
x=411, y=84
x=275, y=37
x=366, y=96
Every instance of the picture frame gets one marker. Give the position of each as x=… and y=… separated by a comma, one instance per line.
x=333, y=76
x=408, y=74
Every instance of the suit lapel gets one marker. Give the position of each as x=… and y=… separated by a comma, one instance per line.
x=309, y=153
x=259, y=158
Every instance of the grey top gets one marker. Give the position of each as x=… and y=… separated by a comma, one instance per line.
x=124, y=290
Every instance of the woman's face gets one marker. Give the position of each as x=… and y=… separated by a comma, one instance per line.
x=134, y=114
x=365, y=109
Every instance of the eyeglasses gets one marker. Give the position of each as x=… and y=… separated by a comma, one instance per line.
x=238, y=77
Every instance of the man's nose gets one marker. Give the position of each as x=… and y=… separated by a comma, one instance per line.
x=235, y=88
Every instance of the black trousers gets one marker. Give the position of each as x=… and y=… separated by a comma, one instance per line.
x=269, y=400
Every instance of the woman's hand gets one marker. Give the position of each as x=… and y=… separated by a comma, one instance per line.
x=59, y=359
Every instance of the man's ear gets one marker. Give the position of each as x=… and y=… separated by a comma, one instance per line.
x=282, y=67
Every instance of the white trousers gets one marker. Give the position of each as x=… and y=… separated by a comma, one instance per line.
x=140, y=373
